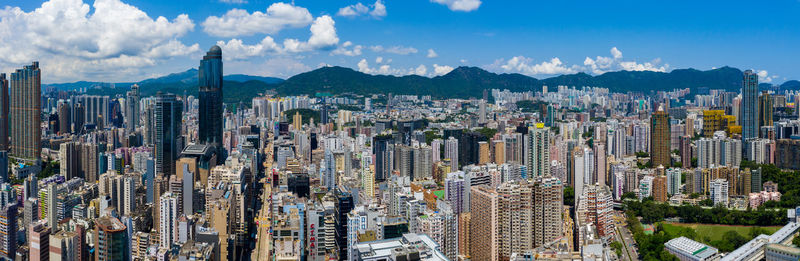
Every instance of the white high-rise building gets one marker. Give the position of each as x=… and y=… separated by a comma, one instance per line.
x=129, y=197
x=537, y=153
x=673, y=181
x=719, y=192
x=451, y=152
x=168, y=227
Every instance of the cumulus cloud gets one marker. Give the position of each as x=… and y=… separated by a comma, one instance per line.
x=343, y=49
x=384, y=68
x=526, y=65
x=75, y=41
x=377, y=10
x=421, y=70
x=239, y=22
x=432, y=53
x=460, y=5
x=597, y=65
x=763, y=76
x=603, y=64
x=282, y=67
x=441, y=69
x=236, y=50
x=398, y=49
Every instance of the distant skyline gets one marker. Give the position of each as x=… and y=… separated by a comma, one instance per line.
x=131, y=40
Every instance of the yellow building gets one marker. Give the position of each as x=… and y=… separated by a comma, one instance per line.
x=712, y=121
x=483, y=153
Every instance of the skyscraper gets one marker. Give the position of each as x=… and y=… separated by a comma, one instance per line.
x=764, y=111
x=167, y=127
x=749, y=105
x=25, y=112
x=111, y=240
x=660, y=138
x=210, y=111
x=168, y=217
x=537, y=154
x=132, y=110
x=383, y=148
x=3, y=112
x=39, y=236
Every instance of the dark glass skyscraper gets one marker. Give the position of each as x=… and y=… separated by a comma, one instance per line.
x=26, y=109
x=132, y=115
x=382, y=147
x=167, y=128
x=749, y=105
x=210, y=112
x=3, y=128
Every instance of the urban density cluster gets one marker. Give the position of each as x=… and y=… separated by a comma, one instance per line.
x=564, y=173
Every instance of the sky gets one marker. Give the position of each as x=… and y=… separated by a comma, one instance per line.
x=131, y=40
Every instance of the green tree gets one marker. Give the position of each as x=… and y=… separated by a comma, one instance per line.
x=569, y=196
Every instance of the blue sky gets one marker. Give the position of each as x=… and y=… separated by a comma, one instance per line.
x=113, y=40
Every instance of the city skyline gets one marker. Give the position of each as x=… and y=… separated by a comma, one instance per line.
x=427, y=38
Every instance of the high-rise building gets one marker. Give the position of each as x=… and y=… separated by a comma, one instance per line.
x=685, y=149
x=168, y=218
x=167, y=127
x=25, y=112
x=537, y=153
x=596, y=207
x=39, y=245
x=484, y=225
x=719, y=192
x=383, y=148
x=673, y=181
x=132, y=115
x=94, y=109
x=764, y=111
x=344, y=204
x=749, y=105
x=660, y=138
x=64, y=118
x=4, y=117
x=111, y=240
x=451, y=152
x=8, y=232
x=660, y=189
x=210, y=112
x=52, y=204
x=65, y=245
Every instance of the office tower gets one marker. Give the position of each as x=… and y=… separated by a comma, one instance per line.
x=168, y=218
x=484, y=225
x=25, y=112
x=8, y=232
x=749, y=105
x=596, y=207
x=451, y=152
x=132, y=114
x=39, y=245
x=719, y=192
x=65, y=245
x=660, y=138
x=755, y=180
x=210, y=101
x=383, y=148
x=111, y=240
x=344, y=204
x=764, y=111
x=4, y=128
x=537, y=153
x=167, y=126
x=4, y=100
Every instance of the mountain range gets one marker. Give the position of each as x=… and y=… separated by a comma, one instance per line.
x=462, y=82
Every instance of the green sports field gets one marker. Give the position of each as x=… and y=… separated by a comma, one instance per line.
x=714, y=232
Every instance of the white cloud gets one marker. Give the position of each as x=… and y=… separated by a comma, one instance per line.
x=432, y=53
x=378, y=59
x=398, y=49
x=524, y=65
x=236, y=50
x=603, y=64
x=283, y=67
x=343, y=49
x=377, y=11
x=75, y=41
x=441, y=70
x=460, y=5
x=238, y=22
x=763, y=76
x=421, y=70
x=233, y=1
